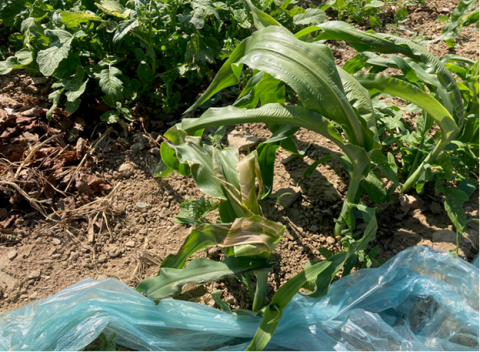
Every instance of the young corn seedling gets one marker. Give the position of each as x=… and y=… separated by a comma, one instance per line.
x=247, y=238
x=324, y=90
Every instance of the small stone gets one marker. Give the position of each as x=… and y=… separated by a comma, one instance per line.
x=12, y=254
x=114, y=252
x=102, y=259
x=313, y=228
x=130, y=244
x=444, y=236
x=102, y=277
x=241, y=140
x=436, y=208
x=34, y=275
x=56, y=256
x=126, y=170
x=33, y=295
x=56, y=241
x=330, y=240
x=137, y=147
x=287, y=196
x=444, y=9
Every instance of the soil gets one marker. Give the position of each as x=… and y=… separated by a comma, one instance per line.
x=130, y=226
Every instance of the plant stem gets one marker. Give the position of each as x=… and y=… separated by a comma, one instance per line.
x=417, y=156
x=418, y=172
x=349, y=199
x=260, y=290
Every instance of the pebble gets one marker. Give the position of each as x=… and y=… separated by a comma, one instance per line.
x=444, y=9
x=102, y=258
x=126, y=170
x=34, y=275
x=330, y=240
x=136, y=147
x=56, y=241
x=33, y=295
x=130, y=244
x=12, y=254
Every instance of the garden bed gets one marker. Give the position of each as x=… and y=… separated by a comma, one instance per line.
x=39, y=257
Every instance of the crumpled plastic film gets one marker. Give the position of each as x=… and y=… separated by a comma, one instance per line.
x=421, y=299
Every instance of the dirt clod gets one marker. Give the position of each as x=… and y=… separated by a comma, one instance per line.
x=12, y=254
x=241, y=140
x=34, y=275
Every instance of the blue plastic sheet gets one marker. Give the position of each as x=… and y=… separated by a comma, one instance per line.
x=422, y=299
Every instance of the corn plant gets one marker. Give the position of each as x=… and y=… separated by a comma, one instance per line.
x=325, y=91
x=429, y=85
x=247, y=238
x=442, y=103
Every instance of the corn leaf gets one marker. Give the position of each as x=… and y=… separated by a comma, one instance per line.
x=199, y=271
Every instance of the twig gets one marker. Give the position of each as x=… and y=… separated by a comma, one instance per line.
x=32, y=154
x=35, y=203
x=88, y=153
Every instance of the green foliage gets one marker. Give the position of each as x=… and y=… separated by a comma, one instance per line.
x=369, y=11
x=125, y=50
x=193, y=211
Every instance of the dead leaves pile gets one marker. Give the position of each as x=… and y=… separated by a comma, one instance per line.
x=44, y=159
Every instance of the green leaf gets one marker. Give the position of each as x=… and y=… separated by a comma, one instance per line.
x=193, y=210
x=313, y=167
x=22, y=58
x=170, y=159
x=71, y=107
x=312, y=16
x=468, y=186
x=49, y=59
x=325, y=252
x=73, y=19
x=76, y=90
x=274, y=311
x=217, y=297
x=386, y=164
x=197, y=272
x=200, y=237
x=124, y=28
x=111, y=85
x=386, y=43
x=110, y=117
x=144, y=72
x=113, y=8
x=374, y=187
x=453, y=205
x=202, y=50
x=401, y=15
x=307, y=67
